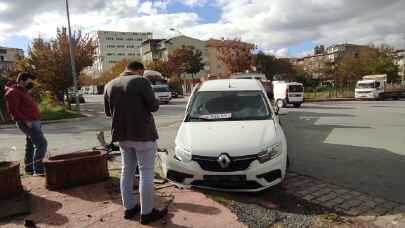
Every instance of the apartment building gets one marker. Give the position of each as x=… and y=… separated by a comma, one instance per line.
x=114, y=46
x=399, y=60
x=8, y=58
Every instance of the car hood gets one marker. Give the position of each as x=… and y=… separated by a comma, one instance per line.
x=237, y=138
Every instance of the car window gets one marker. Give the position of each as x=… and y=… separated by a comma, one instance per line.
x=161, y=89
x=365, y=85
x=295, y=88
x=228, y=106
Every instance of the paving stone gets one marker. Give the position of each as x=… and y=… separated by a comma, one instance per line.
x=327, y=197
x=370, y=204
x=309, y=197
x=378, y=211
x=334, y=202
x=349, y=204
x=340, y=191
x=389, y=205
x=399, y=210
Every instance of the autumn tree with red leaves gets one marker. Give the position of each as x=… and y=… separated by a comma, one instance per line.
x=236, y=55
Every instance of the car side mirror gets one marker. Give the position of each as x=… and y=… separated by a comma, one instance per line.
x=276, y=110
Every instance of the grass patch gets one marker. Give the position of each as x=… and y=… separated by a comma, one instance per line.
x=50, y=110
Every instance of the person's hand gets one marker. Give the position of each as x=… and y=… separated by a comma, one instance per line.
x=28, y=124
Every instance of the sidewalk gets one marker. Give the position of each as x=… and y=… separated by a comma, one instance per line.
x=99, y=205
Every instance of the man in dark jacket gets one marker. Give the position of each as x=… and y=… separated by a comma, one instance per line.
x=23, y=109
x=130, y=101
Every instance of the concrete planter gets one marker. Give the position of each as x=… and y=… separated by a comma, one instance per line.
x=74, y=169
x=10, y=181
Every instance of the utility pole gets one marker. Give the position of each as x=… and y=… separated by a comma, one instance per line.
x=72, y=59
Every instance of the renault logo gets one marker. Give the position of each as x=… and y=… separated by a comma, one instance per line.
x=224, y=161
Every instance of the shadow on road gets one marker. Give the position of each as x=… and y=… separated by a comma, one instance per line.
x=373, y=171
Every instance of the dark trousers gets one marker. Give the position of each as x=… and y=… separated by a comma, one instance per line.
x=35, y=148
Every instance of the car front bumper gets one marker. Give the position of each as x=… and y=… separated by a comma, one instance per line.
x=255, y=178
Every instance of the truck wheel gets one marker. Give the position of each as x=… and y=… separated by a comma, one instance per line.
x=280, y=103
x=297, y=105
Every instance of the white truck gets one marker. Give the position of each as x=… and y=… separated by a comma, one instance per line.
x=288, y=93
x=376, y=87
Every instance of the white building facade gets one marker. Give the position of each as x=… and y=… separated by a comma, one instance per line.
x=114, y=46
x=8, y=58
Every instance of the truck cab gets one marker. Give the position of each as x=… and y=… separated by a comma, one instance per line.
x=369, y=89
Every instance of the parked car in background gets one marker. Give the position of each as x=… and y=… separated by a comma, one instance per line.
x=376, y=87
x=72, y=98
x=175, y=94
x=230, y=139
x=162, y=93
x=288, y=93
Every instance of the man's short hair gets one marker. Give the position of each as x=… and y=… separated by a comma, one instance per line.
x=24, y=76
x=135, y=65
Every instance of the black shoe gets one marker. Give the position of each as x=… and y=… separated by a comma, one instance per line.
x=153, y=216
x=132, y=212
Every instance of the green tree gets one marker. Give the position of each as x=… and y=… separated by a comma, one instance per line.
x=186, y=59
x=272, y=66
x=50, y=61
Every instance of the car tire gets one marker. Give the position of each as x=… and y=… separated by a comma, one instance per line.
x=280, y=103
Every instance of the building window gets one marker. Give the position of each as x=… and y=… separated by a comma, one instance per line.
x=112, y=61
x=121, y=54
x=130, y=46
x=120, y=46
x=130, y=39
x=1, y=58
x=119, y=38
x=109, y=38
x=110, y=46
x=110, y=54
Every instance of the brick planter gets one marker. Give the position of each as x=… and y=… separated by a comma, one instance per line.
x=69, y=170
x=10, y=182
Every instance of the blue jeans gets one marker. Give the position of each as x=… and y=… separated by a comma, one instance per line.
x=142, y=155
x=35, y=148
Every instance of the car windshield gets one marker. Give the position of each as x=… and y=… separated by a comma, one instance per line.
x=161, y=89
x=295, y=89
x=365, y=85
x=228, y=106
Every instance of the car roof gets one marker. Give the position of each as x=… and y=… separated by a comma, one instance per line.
x=231, y=85
x=366, y=81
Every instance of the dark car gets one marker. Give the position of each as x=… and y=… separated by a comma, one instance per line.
x=72, y=98
x=175, y=94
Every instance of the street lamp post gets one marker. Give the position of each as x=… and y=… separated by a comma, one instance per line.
x=72, y=59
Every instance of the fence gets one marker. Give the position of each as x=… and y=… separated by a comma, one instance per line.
x=329, y=92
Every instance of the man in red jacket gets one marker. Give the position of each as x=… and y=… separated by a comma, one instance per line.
x=23, y=109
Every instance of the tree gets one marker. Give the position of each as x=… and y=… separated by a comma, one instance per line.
x=236, y=55
x=367, y=61
x=161, y=66
x=50, y=61
x=271, y=66
x=186, y=59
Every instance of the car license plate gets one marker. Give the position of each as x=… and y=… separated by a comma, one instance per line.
x=225, y=178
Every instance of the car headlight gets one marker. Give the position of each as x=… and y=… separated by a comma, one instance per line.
x=269, y=153
x=182, y=154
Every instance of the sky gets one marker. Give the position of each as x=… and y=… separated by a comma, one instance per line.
x=285, y=28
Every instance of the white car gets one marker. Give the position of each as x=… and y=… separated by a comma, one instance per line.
x=162, y=93
x=230, y=139
x=288, y=93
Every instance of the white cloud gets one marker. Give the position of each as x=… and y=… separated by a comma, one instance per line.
x=271, y=24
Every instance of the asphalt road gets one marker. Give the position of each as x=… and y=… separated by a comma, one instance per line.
x=75, y=135
x=358, y=145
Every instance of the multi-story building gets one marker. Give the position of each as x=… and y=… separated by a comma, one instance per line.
x=150, y=50
x=114, y=46
x=8, y=58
